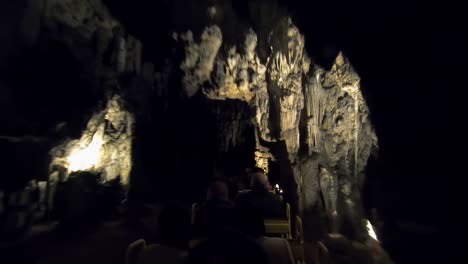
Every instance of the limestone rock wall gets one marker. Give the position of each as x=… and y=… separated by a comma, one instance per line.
x=231, y=119
x=321, y=115
x=94, y=36
x=199, y=59
x=84, y=16
x=288, y=67
x=105, y=146
x=106, y=52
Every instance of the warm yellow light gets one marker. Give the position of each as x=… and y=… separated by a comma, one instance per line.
x=370, y=230
x=87, y=157
x=277, y=186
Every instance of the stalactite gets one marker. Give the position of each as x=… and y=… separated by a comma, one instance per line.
x=314, y=111
x=287, y=71
x=336, y=122
x=199, y=58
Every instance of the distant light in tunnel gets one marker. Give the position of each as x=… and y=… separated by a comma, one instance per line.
x=370, y=230
x=86, y=158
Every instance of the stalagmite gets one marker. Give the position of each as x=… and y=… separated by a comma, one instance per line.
x=329, y=189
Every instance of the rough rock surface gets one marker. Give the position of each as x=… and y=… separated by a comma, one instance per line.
x=100, y=42
x=231, y=121
x=105, y=146
x=321, y=115
x=84, y=16
x=287, y=70
x=199, y=59
x=262, y=159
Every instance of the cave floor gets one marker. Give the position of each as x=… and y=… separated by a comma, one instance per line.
x=45, y=244
x=104, y=243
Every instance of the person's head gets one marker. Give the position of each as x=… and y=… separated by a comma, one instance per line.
x=218, y=191
x=258, y=179
x=174, y=226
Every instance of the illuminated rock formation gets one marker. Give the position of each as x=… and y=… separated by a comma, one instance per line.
x=105, y=146
x=322, y=116
x=100, y=42
x=199, y=59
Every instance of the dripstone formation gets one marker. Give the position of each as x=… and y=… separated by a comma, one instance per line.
x=320, y=115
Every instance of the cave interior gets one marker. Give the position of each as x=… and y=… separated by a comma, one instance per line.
x=176, y=93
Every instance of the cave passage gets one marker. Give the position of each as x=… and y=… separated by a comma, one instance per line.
x=111, y=112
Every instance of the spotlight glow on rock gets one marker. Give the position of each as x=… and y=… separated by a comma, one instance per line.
x=87, y=157
x=370, y=230
x=105, y=146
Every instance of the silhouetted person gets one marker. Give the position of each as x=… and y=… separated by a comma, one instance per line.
x=173, y=233
x=216, y=213
x=233, y=189
x=250, y=222
x=218, y=193
x=228, y=248
x=260, y=197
